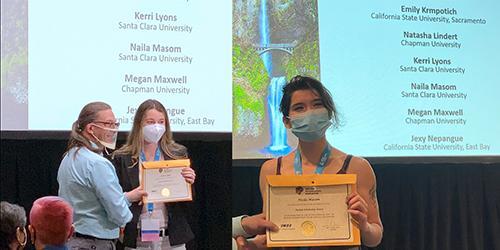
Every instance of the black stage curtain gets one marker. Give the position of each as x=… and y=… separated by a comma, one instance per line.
x=28, y=170
x=422, y=206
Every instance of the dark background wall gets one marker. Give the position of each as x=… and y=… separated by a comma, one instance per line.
x=422, y=206
x=28, y=170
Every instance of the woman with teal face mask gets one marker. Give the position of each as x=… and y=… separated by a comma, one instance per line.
x=308, y=111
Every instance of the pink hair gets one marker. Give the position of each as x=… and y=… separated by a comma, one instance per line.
x=51, y=217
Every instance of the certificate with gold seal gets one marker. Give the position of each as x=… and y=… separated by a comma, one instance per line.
x=310, y=210
x=163, y=182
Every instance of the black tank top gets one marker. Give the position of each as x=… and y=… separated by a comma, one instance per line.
x=343, y=170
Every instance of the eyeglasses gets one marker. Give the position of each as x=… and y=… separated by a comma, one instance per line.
x=109, y=124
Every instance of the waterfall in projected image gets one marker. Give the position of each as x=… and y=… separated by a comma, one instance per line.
x=278, y=141
x=278, y=145
x=265, y=36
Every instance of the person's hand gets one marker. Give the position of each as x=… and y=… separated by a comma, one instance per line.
x=188, y=174
x=358, y=208
x=242, y=243
x=259, y=242
x=257, y=224
x=136, y=194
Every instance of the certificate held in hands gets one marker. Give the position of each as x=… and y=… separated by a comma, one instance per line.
x=310, y=210
x=163, y=182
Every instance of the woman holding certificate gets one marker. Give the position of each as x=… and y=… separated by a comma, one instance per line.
x=308, y=110
x=151, y=140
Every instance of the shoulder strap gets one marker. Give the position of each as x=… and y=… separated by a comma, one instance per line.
x=278, y=167
x=345, y=166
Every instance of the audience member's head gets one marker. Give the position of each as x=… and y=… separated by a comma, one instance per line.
x=51, y=220
x=12, y=226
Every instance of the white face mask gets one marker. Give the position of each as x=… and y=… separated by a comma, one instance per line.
x=153, y=132
x=111, y=136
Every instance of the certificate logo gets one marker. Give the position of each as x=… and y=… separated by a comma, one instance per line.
x=299, y=190
x=312, y=190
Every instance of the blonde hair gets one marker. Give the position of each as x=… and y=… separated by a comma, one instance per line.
x=135, y=139
x=87, y=115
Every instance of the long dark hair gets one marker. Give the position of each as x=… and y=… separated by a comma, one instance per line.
x=87, y=115
x=304, y=82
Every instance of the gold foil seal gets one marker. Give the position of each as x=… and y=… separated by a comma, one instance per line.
x=165, y=192
x=308, y=228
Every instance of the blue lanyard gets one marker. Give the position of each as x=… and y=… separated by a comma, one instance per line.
x=297, y=163
x=157, y=155
x=150, y=205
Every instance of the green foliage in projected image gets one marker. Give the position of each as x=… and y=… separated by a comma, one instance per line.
x=250, y=80
x=8, y=62
x=305, y=60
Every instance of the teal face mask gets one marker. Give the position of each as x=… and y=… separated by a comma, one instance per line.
x=311, y=125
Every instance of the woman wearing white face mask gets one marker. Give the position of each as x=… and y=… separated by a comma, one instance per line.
x=151, y=140
x=308, y=110
x=89, y=183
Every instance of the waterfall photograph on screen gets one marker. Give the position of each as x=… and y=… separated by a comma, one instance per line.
x=272, y=42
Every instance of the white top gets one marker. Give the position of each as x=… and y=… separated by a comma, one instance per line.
x=159, y=208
